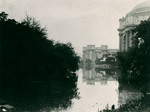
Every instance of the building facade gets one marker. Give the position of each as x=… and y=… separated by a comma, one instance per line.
x=91, y=52
x=126, y=24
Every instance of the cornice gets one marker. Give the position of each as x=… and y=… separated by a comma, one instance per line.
x=127, y=26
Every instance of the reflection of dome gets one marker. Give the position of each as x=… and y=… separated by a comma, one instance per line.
x=142, y=7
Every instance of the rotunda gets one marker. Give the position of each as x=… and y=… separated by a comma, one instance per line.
x=133, y=18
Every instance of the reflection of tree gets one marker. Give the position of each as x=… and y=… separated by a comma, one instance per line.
x=98, y=75
x=33, y=96
x=109, y=72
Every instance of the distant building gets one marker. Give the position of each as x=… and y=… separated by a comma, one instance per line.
x=91, y=52
x=127, y=23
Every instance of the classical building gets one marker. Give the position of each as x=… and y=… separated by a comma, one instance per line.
x=91, y=52
x=127, y=23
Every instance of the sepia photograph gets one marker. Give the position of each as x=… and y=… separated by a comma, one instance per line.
x=74, y=55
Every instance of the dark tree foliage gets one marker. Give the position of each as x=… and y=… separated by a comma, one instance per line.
x=97, y=61
x=135, y=62
x=81, y=63
x=88, y=64
x=27, y=56
x=110, y=59
x=3, y=16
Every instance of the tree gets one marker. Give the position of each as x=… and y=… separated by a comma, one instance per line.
x=135, y=62
x=110, y=59
x=26, y=49
x=97, y=61
x=3, y=16
x=33, y=68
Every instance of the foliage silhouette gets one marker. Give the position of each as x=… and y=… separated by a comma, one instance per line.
x=110, y=59
x=27, y=57
x=135, y=62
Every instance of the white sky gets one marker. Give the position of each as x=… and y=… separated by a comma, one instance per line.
x=80, y=22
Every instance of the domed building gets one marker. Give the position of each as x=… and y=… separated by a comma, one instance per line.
x=133, y=18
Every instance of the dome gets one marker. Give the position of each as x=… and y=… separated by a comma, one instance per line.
x=142, y=7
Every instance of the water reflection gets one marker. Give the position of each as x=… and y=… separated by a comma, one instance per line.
x=39, y=96
x=102, y=89
x=94, y=89
x=99, y=89
x=98, y=75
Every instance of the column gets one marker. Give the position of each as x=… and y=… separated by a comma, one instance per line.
x=127, y=40
x=121, y=42
x=124, y=42
x=130, y=43
x=90, y=55
x=83, y=55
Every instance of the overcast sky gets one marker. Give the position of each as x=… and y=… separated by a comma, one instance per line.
x=80, y=22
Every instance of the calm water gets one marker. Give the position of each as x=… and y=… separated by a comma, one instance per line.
x=97, y=90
